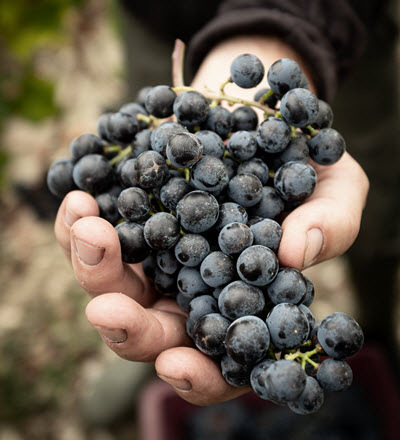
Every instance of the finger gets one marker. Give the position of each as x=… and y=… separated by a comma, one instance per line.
x=133, y=332
x=195, y=377
x=327, y=224
x=96, y=260
x=76, y=204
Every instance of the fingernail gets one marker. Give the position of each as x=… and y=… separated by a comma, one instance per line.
x=314, y=242
x=87, y=253
x=70, y=217
x=116, y=335
x=179, y=384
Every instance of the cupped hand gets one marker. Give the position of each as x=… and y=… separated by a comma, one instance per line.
x=141, y=326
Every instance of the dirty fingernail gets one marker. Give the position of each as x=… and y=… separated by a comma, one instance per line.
x=314, y=242
x=116, y=335
x=87, y=253
x=179, y=384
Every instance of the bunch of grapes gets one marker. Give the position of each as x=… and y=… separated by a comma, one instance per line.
x=197, y=192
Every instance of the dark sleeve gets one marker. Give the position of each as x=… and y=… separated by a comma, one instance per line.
x=327, y=34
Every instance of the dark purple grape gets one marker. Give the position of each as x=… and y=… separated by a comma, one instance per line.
x=217, y=269
x=288, y=326
x=271, y=101
x=257, y=265
x=134, y=204
x=133, y=109
x=247, y=71
x=122, y=128
x=127, y=174
x=244, y=118
x=173, y=191
x=141, y=95
x=270, y=206
x=134, y=248
x=310, y=400
x=162, y=231
x=325, y=116
x=284, y=75
x=268, y=233
x=242, y=145
x=184, y=150
x=257, y=378
x=149, y=265
x=245, y=189
x=230, y=212
x=299, y=107
x=167, y=262
x=310, y=292
x=159, y=101
x=141, y=142
x=151, y=169
x=297, y=151
x=212, y=143
x=107, y=203
x=234, y=238
x=59, y=178
x=201, y=306
x=191, y=108
x=209, y=174
x=219, y=120
x=289, y=286
x=165, y=283
x=93, y=173
x=308, y=314
x=285, y=380
x=102, y=126
x=273, y=135
x=247, y=340
x=255, y=166
x=190, y=283
x=197, y=211
x=340, y=335
x=183, y=303
x=327, y=147
x=209, y=334
x=191, y=250
x=161, y=135
x=86, y=144
x=239, y=299
x=334, y=375
x=295, y=181
x=231, y=166
x=235, y=374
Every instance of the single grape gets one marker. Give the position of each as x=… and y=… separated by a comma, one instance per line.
x=288, y=326
x=197, y=211
x=299, y=107
x=141, y=142
x=310, y=400
x=270, y=206
x=268, y=233
x=161, y=231
x=257, y=265
x=297, y=150
x=213, y=145
x=107, y=203
x=165, y=283
x=310, y=292
x=340, y=335
x=134, y=248
x=160, y=100
x=190, y=283
x=191, y=108
x=151, y=169
x=209, y=334
x=102, y=126
x=209, y=174
x=173, y=191
x=245, y=189
x=230, y=212
x=273, y=135
x=244, y=118
x=184, y=150
x=235, y=374
x=295, y=181
x=255, y=166
x=247, y=340
x=149, y=265
x=289, y=286
x=219, y=120
x=127, y=174
x=191, y=250
x=122, y=128
x=93, y=173
x=201, y=306
x=217, y=269
x=247, y=71
x=327, y=147
x=184, y=302
x=167, y=262
x=141, y=95
x=308, y=314
x=239, y=299
x=134, y=204
x=284, y=75
x=242, y=145
x=325, y=116
x=161, y=135
x=257, y=378
x=231, y=166
x=59, y=178
x=234, y=238
x=334, y=375
x=133, y=109
x=86, y=144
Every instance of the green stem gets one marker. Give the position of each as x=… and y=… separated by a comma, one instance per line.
x=112, y=149
x=182, y=232
x=187, y=174
x=312, y=131
x=124, y=153
x=293, y=130
x=229, y=80
x=266, y=96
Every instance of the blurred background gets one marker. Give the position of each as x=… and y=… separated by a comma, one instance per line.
x=62, y=65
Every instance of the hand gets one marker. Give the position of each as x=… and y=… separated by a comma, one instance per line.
x=139, y=325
